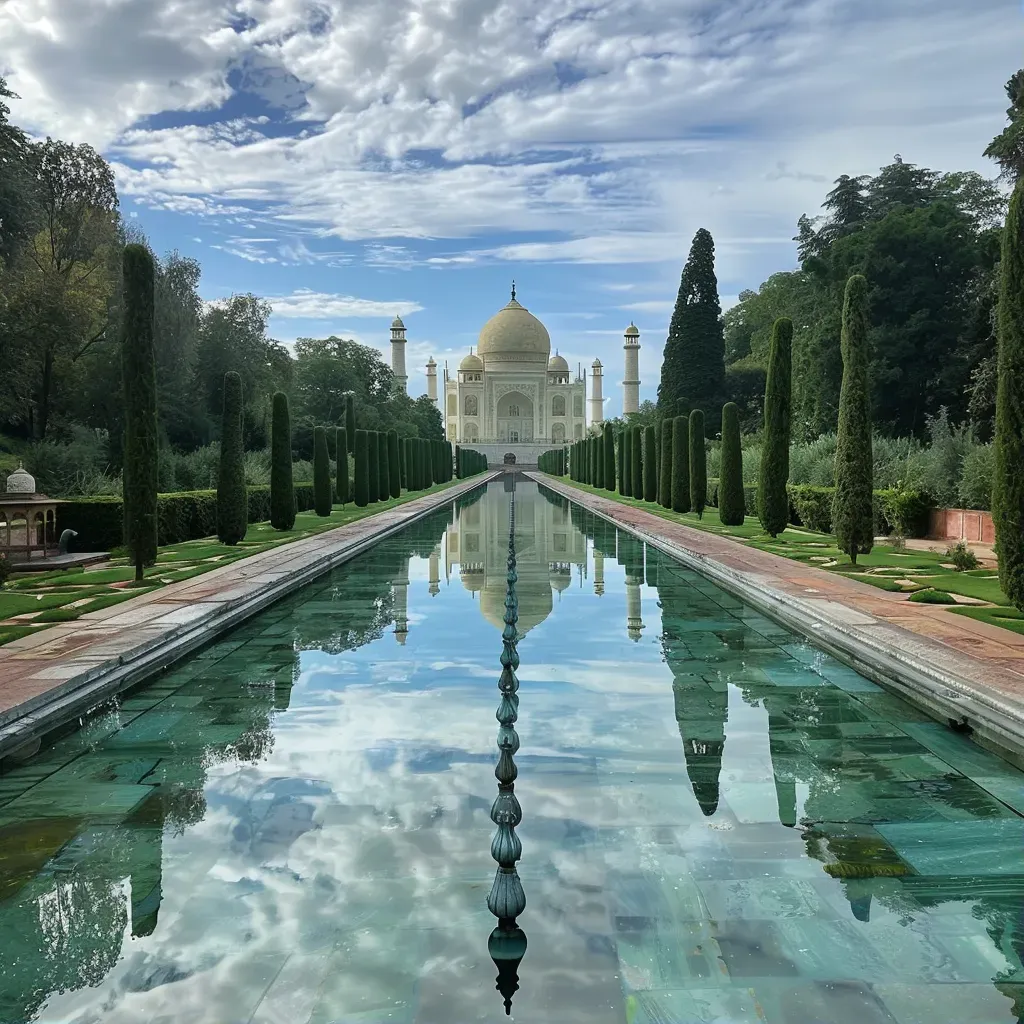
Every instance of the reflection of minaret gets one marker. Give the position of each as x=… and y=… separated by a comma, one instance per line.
x=432, y=380
x=631, y=382
x=634, y=622
x=598, y=571
x=435, y=570
x=398, y=356
x=631, y=557
x=597, y=394
x=401, y=606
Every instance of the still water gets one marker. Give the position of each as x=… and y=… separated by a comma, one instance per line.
x=720, y=823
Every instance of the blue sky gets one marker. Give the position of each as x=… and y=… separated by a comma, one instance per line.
x=354, y=159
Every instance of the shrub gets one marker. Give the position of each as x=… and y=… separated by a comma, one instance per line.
x=650, y=465
x=361, y=490
x=962, y=557
x=930, y=596
x=812, y=507
x=383, y=467
x=350, y=421
x=905, y=512
x=730, y=492
x=282, y=486
x=681, y=464
x=977, y=470
x=321, y=473
x=608, y=443
x=232, y=505
x=373, y=466
x=665, y=458
x=138, y=367
x=5, y=569
x=698, y=464
x=342, y=485
x=773, y=503
x=852, y=514
x=636, y=462
x=394, y=464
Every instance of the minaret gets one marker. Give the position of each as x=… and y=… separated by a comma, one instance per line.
x=398, y=356
x=597, y=395
x=432, y=380
x=631, y=382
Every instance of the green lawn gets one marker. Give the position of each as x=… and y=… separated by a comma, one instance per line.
x=29, y=601
x=883, y=568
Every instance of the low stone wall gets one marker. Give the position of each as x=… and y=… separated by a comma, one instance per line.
x=526, y=453
x=962, y=524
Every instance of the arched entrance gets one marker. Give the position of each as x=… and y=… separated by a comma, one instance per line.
x=510, y=459
x=515, y=417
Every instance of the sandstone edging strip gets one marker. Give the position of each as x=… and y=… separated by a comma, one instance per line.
x=944, y=694
x=80, y=693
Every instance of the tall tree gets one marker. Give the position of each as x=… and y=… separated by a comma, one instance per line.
x=18, y=201
x=1008, y=489
x=681, y=464
x=693, y=366
x=343, y=487
x=361, y=490
x=232, y=498
x=321, y=473
x=636, y=462
x=665, y=473
x=282, y=483
x=1007, y=148
x=731, y=502
x=608, y=438
x=772, y=499
x=625, y=463
x=650, y=465
x=374, y=465
x=384, y=467
x=350, y=420
x=394, y=467
x=852, y=518
x=139, y=372
x=698, y=464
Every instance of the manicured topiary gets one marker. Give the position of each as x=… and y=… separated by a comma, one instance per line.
x=650, y=465
x=321, y=473
x=350, y=421
x=772, y=500
x=282, y=485
x=341, y=446
x=636, y=461
x=625, y=463
x=665, y=474
x=138, y=367
x=373, y=476
x=1008, y=483
x=384, y=467
x=394, y=464
x=731, y=500
x=608, y=447
x=852, y=518
x=681, y=464
x=361, y=488
x=698, y=464
x=232, y=501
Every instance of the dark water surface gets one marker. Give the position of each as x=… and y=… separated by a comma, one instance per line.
x=721, y=824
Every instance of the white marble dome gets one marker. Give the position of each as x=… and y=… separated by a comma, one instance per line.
x=21, y=482
x=514, y=336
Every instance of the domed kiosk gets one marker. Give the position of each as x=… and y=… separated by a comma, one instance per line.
x=511, y=395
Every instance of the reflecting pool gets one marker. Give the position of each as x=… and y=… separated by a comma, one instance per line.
x=720, y=823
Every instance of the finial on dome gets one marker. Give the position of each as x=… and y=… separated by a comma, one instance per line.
x=513, y=289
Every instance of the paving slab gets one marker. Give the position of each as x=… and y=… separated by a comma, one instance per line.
x=960, y=669
x=59, y=673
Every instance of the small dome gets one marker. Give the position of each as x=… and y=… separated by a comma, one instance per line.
x=397, y=324
x=557, y=362
x=597, y=364
x=631, y=331
x=21, y=482
x=471, y=362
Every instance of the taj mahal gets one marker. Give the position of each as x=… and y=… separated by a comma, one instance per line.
x=510, y=394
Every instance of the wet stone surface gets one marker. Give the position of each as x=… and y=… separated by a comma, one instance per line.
x=720, y=824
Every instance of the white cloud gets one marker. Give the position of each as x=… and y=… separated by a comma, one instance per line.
x=305, y=304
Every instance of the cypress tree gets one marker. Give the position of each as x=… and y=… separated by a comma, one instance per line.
x=341, y=446
x=373, y=464
x=852, y=518
x=282, y=484
x=772, y=499
x=731, y=505
x=428, y=466
x=1008, y=484
x=681, y=464
x=625, y=464
x=384, y=464
x=403, y=463
x=693, y=367
x=637, y=461
x=458, y=461
x=138, y=369
x=608, y=438
x=698, y=464
x=597, y=445
x=350, y=421
x=650, y=465
x=232, y=500
x=665, y=478
x=321, y=473
x=361, y=487
x=683, y=409
x=394, y=467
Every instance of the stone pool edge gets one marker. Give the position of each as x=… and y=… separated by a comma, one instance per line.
x=905, y=665
x=74, y=695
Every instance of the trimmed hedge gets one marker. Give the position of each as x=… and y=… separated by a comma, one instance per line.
x=181, y=516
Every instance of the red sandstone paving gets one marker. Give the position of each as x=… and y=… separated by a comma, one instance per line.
x=989, y=656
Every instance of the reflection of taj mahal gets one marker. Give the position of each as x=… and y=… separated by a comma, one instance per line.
x=512, y=390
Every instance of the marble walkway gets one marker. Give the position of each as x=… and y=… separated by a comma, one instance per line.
x=962, y=665
x=57, y=674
